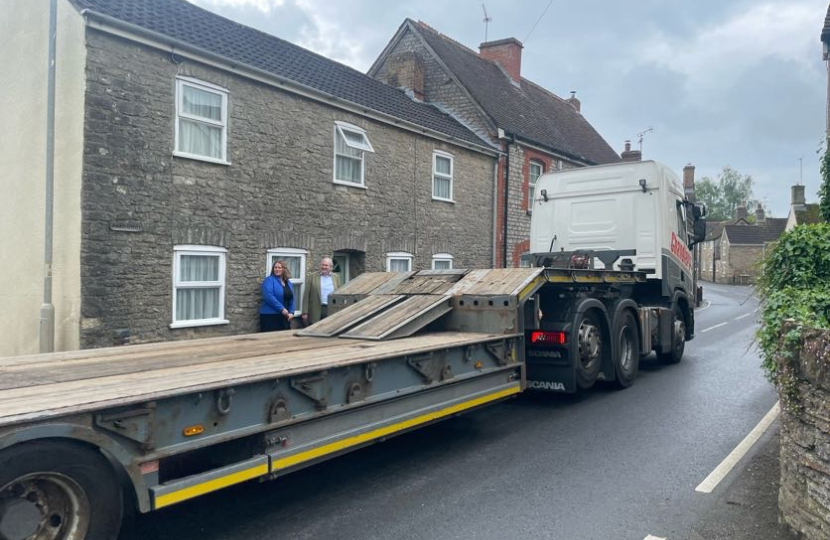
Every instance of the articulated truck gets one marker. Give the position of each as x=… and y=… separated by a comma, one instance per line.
x=87, y=435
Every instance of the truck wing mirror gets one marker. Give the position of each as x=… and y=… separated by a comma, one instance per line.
x=699, y=231
x=698, y=210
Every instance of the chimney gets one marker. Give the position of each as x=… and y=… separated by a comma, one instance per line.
x=799, y=203
x=575, y=103
x=505, y=52
x=759, y=215
x=631, y=155
x=740, y=212
x=689, y=181
x=406, y=70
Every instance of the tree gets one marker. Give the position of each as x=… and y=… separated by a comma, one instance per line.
x=824, y=190
x=724, y=194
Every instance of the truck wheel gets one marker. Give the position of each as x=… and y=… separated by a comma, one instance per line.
x=678, y=340
x=627, y=361
x=58, y=491
x=589, y=356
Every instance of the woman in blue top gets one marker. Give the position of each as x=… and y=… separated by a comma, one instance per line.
x=277, y=307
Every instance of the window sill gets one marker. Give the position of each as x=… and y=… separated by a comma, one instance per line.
x=197, y=157
x=202, y=322
x=349, y=184
x=439, y=199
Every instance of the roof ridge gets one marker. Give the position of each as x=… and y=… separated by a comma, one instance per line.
x=445, y=37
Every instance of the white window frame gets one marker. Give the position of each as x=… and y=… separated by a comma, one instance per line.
x=281, y=253
x=435, y=155
x=187, y=249
x=399, y=255
x=442, y=257
x=531, y=186
x=339, y=131
x=181, y=82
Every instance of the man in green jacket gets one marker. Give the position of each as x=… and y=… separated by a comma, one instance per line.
x=316, y=292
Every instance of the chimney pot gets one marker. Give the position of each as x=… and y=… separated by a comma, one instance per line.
x=575, y=103
x=740, y=212
x=760, y=216
x=631, y=155
x=505, y=52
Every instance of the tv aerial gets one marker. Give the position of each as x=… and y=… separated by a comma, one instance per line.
x=641, y=135
x=487, y=19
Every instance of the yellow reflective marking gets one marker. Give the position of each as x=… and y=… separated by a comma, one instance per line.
x=388, y=430
x=211, y=485
x=530, y=286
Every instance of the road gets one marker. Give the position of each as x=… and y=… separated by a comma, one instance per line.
x=605, y=464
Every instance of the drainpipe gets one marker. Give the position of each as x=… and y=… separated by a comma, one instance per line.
x=508, y=142
x=495, y=251
x=47, y=310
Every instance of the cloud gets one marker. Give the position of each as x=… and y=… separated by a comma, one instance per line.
x=265, y=6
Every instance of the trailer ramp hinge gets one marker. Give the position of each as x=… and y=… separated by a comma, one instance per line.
x=315, y=388
x=431, y=367
x=278, y=411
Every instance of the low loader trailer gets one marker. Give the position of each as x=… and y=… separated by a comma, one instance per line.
x=87, y=435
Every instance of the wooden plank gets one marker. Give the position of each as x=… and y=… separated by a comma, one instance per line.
x=69, y=397
x=350, y=316
x=370, y=281
x=495, y=282
x=397, y=316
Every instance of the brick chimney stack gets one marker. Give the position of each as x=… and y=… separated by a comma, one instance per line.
x=760, y=216
x=406, y=70
x=505, y=52
x=799, y=203
x=575, y=103
x=689, y=181
x=740, y=212
x=631, y=155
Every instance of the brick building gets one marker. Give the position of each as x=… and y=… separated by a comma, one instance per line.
x=192, y=151
x=536, y=130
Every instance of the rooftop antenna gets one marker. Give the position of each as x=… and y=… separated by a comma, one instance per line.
x=641, y=135
x=801, y=171
x=487, y=20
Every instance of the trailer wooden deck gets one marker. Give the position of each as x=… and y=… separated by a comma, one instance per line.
x=39, y=387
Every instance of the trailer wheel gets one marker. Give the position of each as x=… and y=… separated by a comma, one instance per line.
x=678, y=340
x=589, y=355
x=627, y=361
x=55, y=490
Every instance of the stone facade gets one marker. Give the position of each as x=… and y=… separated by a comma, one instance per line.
x=804, y=495
x=139, y=201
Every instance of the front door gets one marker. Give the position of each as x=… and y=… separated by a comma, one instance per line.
x=341, y=266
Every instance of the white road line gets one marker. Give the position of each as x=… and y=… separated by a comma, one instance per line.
x=713, y=327
x=650, y=537
x=742, y=316
x=720, y=472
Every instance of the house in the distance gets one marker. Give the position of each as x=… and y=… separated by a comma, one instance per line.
x=801, y=212
x=536, y=130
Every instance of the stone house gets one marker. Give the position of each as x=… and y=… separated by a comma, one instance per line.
x=732, y=249
x=191, y=152
x=801, y=212
x=536, y=130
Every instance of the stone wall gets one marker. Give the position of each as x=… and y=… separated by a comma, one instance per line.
x=139, y=201
x=804, y=389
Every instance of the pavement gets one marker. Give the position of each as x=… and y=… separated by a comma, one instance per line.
x=747, y=508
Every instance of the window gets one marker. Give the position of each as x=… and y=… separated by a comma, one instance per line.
x=202, y=120
x=198, y=286
x=536, y=170
x=442, y=261
x=295, y=260
x=350, y=144
x=399, y=261
x=442, y=176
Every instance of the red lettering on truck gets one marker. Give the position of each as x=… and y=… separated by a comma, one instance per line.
x=680, y=251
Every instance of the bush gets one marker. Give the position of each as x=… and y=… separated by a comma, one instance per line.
x=794, y=285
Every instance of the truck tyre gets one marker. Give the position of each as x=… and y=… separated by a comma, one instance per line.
x=589, y=350
x=627, y=354
x=56, y=490
x=678, y=340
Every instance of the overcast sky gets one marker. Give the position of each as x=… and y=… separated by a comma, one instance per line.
x=721, y=82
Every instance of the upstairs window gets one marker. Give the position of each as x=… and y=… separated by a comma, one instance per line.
x=398, y=261
x=350, y=146
x=198, y=286
x=442, y=261
x=536, y=170
x=442, y=176
x=201, y=120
